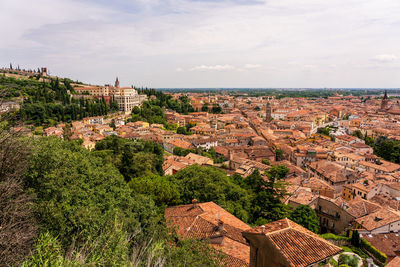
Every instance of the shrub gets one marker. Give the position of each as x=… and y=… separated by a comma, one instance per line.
x=346, y=259
x=355, y=239
x=377, y=254
x=334, y=237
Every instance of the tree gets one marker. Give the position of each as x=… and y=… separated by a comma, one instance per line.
x=133, y=158
x=358, y=134
x=211, y=184
x=355, y=238
x=18, y=226
x=267, y=205
x=67, y=133
x=204, y=108
x=279, y=154
x=216, y=109
x=160, y=189
x=349, y=260
x=306, y=217
x=181, y=130
x=112, y=124
x=324, y=131
x=387, y=149
x=265, y=161
x=78, y=197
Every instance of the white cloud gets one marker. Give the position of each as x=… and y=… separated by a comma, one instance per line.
x=213, y=67
x=385, y=58
x=139, y=40
x=252, y=66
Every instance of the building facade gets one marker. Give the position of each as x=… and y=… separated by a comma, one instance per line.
x=126, y=97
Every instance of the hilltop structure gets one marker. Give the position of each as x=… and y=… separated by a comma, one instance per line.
x=126, y=97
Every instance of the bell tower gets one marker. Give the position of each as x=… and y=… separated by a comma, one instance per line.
x=116, y=83
x=268, y=116
x=385, y=101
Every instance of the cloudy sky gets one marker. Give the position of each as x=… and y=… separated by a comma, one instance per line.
x=207, y=43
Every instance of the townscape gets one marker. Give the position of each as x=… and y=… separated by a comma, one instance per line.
x=339, y=155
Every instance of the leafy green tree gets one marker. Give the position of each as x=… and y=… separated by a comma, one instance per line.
x=267, y=205
x=77, y=194
x=355, y=238
x=279, y=154
x=265, y=161
x=204, y=108
x=112, y=124
x=67, y=133
x=211, y=184
x=324, y=130
x=387, y=149
x=159, y=188
x=306, y=217
x=358, y=134
x=133, y=158
x=182, y=130
x=216, y=109
x=349, y=260
x=182, y=152
x=18, y=225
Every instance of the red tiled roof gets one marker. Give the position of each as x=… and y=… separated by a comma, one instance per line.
x=201, y=221
x=298, y=245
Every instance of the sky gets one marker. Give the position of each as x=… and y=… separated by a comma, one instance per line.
x=207, y=43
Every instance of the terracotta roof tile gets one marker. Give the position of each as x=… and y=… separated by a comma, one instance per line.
x=298, y=245
x=202, y=221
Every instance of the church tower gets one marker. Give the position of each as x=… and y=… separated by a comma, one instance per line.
x=268, y=116
x=385, y=101
x=116, y=83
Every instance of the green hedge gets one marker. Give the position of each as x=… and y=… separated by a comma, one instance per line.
x=334, y=237
x=377, y=254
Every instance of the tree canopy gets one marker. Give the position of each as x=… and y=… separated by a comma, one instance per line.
x=306, y=217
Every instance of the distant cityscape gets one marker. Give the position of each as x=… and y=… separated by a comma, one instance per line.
x=333, y=153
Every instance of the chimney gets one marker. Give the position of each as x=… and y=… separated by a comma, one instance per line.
x=194, y=202
x=220, y=225
x=263, y=229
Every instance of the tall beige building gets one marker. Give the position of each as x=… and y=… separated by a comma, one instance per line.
x=126, y=97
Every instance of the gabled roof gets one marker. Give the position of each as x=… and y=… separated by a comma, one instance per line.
x=359, y=207
x=201, y=220
x=299, y=246
x=378, y=219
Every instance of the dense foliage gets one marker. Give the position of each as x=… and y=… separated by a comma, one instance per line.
x=306, y=217
x=79, y=194
x=384, y=147
x=105, y=207
x=148, y=113
x=50, y=102
x=281, y=93
x=211, y=184
x=89, y=215
x=181, y=105
x=371, y=249
x=348, y=260
x=132, y=158
x=387, y=149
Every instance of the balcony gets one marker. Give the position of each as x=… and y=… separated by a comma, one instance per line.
x=327, y=215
